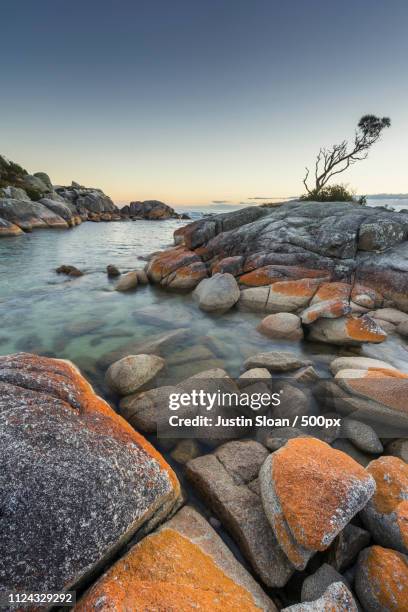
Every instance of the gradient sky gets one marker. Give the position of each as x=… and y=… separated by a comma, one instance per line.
x=191, y=101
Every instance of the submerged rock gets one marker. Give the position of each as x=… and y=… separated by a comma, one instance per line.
x=91, y=480
x=132, y=372
x=127, y=282
x=307, y=513
x=279, y=361
x=69, y=271
x=183, y=566
x=112, y=271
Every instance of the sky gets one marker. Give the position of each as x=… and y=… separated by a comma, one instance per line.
x=196, y=101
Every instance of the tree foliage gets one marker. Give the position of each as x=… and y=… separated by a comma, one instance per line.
x=339, y=157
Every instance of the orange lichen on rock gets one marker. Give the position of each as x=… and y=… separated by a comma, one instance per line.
x=391, y=476
x=386, y=572
x=267, y=275
x=366, y=296
x=365, y=329
x=305, y=287
x=320, y=489
x=167, y=572
x=384, y=387
x=332, y=291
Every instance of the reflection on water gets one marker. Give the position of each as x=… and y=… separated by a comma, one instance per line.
x=84, y=319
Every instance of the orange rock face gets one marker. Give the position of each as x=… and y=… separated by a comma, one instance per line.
x=310, y=492
x=330, y=309
x=364, y=329
x=332, y=291
x=177, y=268
x=267, y=275
x=169, y=571
x=383, y=386
x=382, y=580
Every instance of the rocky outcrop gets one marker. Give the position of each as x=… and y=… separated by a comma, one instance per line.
x=151, y=210
x=183, y=566
x=76, y=480
x=365, y=248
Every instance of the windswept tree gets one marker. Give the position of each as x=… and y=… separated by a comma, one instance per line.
x=339, y=157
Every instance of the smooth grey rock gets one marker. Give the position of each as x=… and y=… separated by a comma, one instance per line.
x=59, y=208
x=362, y=436
x=283, y=325
x=314, y=586
x=217, y=294
x=279, y=361
x=132, y=372
x=29, y=215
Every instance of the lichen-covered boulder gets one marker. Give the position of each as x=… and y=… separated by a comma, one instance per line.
x=217, y=294
x=267, y=275
x=349, y=330
x=177, y=268
x=289, y=296
x=183, y=566
x=76, y=480
x=310, y=492
x=381, y=581
x=386, y=514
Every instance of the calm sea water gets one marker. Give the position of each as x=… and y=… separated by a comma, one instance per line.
x=83, y=319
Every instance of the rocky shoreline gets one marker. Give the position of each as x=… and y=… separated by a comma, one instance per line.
x=315, y=513
x=29, y=202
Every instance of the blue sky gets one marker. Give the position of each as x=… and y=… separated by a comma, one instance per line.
x=191, y=101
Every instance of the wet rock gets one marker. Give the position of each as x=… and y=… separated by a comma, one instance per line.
x=185, y=450
x=283, y=325
x=127, y=282
x=197, y=352
x=142, y=277
x=279, y=361
x=351, y=330
x=337, y=597
x=132, y=372
x=222, y=479
x=386, y=514
x=9, y=229
x=359, y=363
x=254, y=299
x=112, y=271
x=381, y=581
x=314, y=586
x=69, y=271
x=177, y=268
x=249, y=376
x=362, y=436
x=306, y=375
x=80, y=328
x=154, y=344
x=218, y=293
x=307, y=513
x=329, y=309
x=183, y=566
x=294, y=402
x=345, y=548
x=92, y=480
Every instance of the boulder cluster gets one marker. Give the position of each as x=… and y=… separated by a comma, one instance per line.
x=31, y=201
